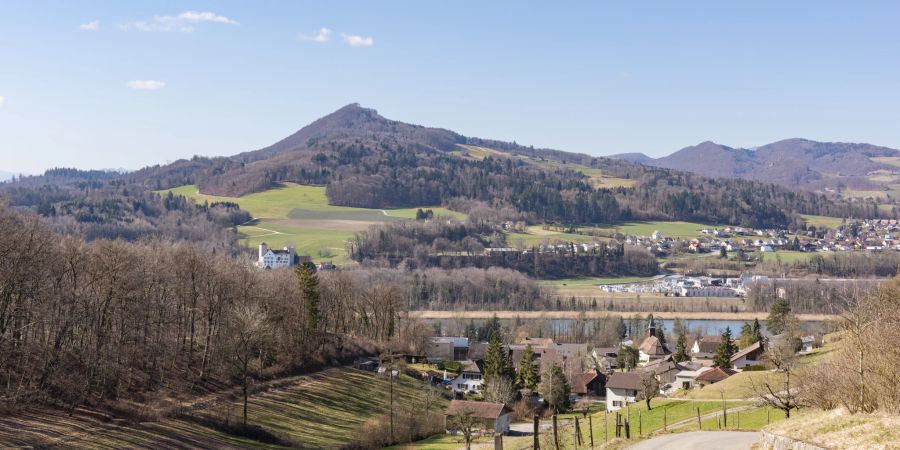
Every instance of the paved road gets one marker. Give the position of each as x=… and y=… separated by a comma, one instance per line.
x=719, y=440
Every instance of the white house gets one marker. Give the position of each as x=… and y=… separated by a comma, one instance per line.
x=622, y=388
x=808, y=344
x=706, y=346
x=270, y=258
x=470, y=379
x=748, y=356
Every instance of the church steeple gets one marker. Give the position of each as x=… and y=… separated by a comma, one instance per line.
x=651, y=329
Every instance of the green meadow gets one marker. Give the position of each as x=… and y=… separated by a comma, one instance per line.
x=822, y=221
x=676, y=229
x=299, y=215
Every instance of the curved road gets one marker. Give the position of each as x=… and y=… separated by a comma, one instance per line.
x=719, y=440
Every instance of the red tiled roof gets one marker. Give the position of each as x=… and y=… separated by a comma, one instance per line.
x=652, y=347
x=715, y=375
x=581, y=381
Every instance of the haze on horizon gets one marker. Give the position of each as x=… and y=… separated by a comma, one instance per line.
x=109, y=85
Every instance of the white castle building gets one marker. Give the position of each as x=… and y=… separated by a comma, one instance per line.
x=270, y=258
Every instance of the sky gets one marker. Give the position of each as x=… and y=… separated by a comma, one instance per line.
x=127, y=84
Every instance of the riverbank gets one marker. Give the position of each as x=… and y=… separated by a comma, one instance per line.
x=744, y=316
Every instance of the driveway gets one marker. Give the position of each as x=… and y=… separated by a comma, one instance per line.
x=719, y=440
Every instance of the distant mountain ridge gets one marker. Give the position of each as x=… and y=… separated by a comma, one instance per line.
x=368, y=161
x=791, y=162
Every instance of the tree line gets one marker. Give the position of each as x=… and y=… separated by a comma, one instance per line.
x=88, y=323
x=454, y=244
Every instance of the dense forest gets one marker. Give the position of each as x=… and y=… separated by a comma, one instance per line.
x=90, y=205
x=451, y=244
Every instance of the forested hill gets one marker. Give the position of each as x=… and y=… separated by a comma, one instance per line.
x=834, y=166
x=366, y=160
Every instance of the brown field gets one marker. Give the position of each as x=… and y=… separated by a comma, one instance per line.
x=599, y=314
x=332, y=224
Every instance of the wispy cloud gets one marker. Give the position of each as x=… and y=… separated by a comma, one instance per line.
x=90, y=26
x=146, y=84
x=183, y=23
x=323, y=35
x=358, y=41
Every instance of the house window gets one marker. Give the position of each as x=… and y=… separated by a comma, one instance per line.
x=617, y=403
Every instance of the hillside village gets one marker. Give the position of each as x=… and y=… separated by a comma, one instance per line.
x=613, y=377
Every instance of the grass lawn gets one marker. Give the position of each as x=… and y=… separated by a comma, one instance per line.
x=823, y=221
x=537, y=235
x=664, y=413
x=749, y=420
x=677, y=229
x=734, y=387
x=443, y=442
x=299, y=215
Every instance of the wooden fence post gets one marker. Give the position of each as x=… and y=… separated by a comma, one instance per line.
x=699, y=424
x=640, y=423
x=498, y=442
x=575, y=435
x=555, y=433
x=665, y=424
x=627, y=427
x=591, y=430
x=536, y=445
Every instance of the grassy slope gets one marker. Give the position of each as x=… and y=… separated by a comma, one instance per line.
x=299, y=215
x=327, y=410
x=839, y=429
x=823, y=221
x=322, y=410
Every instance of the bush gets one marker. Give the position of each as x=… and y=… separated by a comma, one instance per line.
x=451, y=366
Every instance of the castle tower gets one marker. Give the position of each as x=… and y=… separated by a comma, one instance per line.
x=263, y=249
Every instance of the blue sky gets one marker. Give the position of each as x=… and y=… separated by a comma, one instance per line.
x=127, y=84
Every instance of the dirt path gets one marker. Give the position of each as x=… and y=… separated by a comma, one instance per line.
x=600, y=314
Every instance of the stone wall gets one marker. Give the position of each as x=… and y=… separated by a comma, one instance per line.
x=770, y=441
